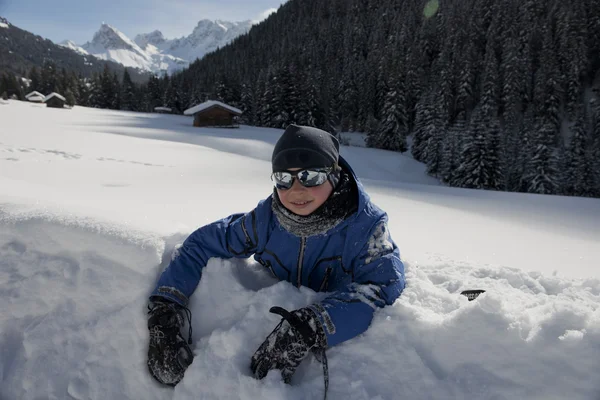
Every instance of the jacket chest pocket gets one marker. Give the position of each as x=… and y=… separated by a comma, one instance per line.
x=322, y=276
x=270, y=261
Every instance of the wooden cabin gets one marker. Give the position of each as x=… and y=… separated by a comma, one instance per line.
x=214, y=113
x=55, y=100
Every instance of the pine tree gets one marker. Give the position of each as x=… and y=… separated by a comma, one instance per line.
x=127, y=92
x=595, y=146
x=451, y=148
x=547, y=87
x=578, y=174
x=541, y=174
x=392, y=131
x=248, y=105
x=154, y=96
x=289, y=98
x=95, y=92
x=479, y=166
x=271, y=104
x=425, y=116
x=114, y=102
x=36, y=79
x=82, y=96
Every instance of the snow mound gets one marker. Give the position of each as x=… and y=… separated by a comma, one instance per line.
x=73, y=325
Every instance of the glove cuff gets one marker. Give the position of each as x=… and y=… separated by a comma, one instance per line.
x=305, y=323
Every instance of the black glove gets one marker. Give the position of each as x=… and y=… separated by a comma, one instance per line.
x=298, y=333
x=168, y=354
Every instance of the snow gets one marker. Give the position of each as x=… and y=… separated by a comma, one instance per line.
x=208, y=104
x=54, y=94
x=3, y=25
x=34, y=93
x=71, y=45
x=93, y=202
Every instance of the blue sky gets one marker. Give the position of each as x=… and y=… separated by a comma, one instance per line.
x=78, y=20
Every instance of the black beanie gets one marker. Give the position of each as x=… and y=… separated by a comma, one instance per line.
x=305, y=147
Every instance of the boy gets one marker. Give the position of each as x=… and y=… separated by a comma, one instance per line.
x=318, y=229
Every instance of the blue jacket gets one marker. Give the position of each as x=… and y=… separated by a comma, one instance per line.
x=356, y=261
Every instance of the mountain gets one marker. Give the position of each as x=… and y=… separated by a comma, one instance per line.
x=153, y=52
x=71, y=45
x=206, y=37
x=20, y=50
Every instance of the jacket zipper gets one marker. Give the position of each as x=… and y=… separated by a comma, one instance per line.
x=300, y=261
x=325, y=282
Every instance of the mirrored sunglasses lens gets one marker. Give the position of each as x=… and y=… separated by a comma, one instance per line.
x=312, y=178
x=283, y=180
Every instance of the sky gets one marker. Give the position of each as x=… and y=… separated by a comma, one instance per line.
x=78, y=20
x=93, y=203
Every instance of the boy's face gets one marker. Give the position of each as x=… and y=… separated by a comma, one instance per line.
x=304, y=200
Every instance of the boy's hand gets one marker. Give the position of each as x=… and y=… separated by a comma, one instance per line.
x=297, y=334
x=168, y=354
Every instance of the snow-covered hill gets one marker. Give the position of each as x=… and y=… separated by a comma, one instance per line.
x=93, y=201
x=152, y=52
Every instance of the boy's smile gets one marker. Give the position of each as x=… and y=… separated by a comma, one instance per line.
x=304, y=200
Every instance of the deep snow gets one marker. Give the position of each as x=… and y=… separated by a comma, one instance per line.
x=93, y=201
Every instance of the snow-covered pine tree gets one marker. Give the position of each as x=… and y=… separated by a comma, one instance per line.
x=393, y=127
x=173, y=97
x=437, y=131
x=548, y=90
x=595, y=147
x=248, y=105
x=573, y=49
x=289, y=97
x=479, y=166
x=541, y=172
x=94, y=91
x=451, y=147
x=271, y=104
x=592, y=9
x=313, y=112
x=578, y=178
x=83, y=91
x=424, y=118
x=155, y=98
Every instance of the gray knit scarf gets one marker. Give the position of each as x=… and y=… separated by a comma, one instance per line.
x=342, y=203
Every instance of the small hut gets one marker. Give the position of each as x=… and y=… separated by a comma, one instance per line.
x=214, y=113
x=55, y=100
x=35, y=97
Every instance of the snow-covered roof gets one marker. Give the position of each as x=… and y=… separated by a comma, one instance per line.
x=54, y=94
x=208, y=104
x=34, y=93
x=36, y=98
x=162, y=109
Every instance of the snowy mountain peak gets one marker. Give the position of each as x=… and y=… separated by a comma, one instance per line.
x=154, y=38
x=71, y=45
x=4, y=22
x=153, y=52
x=111, y=38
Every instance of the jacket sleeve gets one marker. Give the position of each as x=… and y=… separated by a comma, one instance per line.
x=234, y=236
x=378, y=280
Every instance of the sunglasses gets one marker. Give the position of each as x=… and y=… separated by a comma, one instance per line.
x=310, y=177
